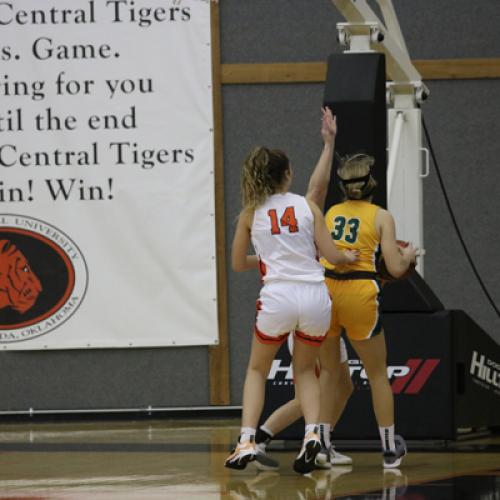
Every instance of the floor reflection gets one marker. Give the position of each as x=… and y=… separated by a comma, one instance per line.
x=321, y=485
x=169, y=461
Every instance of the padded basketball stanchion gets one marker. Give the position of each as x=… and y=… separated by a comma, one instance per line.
x=355, y=92
x=444, y=372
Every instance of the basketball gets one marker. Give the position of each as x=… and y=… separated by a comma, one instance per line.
x=385, y=275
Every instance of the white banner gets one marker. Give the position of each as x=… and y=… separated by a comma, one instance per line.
x=107, y=226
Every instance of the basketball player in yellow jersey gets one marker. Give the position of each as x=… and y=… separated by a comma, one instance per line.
x=353, y=224
x=357, y=224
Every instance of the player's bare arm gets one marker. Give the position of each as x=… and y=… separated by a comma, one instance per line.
x=320, y=178
x=397, y=259
x=325, y=243
x=240, y=260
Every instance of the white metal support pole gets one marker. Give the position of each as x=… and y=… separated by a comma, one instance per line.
x=393, y=152
x=365, y=32
x=404, y=193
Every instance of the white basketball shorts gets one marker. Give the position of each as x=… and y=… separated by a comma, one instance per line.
x=284, y=306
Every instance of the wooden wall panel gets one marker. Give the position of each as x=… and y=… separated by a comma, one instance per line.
x=219, y=355
x=315, y=72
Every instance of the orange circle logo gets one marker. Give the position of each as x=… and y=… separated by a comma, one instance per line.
x=43, y=278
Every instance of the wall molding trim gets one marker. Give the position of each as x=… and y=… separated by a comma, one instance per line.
x=315, y=72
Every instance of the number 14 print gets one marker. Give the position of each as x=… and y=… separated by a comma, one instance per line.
x=288, y=219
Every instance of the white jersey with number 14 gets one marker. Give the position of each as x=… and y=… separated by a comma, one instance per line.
x=283, y=237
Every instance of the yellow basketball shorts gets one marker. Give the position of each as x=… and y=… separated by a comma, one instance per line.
x=355, y=308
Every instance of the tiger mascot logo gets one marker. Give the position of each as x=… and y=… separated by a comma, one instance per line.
x=19, y=286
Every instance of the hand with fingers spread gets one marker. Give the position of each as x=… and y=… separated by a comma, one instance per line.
x=328, y=125
x=352, y=255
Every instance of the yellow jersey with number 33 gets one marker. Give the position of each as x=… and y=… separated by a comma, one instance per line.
x=352, y=226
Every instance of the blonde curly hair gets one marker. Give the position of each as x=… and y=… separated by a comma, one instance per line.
x=263, y=174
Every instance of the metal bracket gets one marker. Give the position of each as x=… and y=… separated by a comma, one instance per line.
x=426, y=171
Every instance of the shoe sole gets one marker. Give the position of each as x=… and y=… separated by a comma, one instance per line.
x=241, y=463
x=341, y=461
x=323, y=461
x=306, y=463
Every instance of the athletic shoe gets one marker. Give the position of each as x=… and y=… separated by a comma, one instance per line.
x=337, y=458
x=243, y=454
x=392, y=459
x=304, y=463
x=327, y=458
x=322, y=460
x=263, y=462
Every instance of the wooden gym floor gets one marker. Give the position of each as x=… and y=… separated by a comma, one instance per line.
x=177, y=459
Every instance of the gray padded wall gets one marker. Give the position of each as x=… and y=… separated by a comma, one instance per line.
x=462, y=117
x=260, y=31
x=104, y=379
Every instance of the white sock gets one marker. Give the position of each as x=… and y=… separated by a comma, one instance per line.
x=311, y=428
x=324, y=432
x=387, y=438
x=246, y=433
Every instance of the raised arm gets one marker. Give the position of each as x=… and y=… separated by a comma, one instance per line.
x=320, y=178
x=397, y=259
x=325, y=243
x=240, y=261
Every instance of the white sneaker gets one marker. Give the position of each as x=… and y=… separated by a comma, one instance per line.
x=337, y=458
x=322, y=460
x=327, y=458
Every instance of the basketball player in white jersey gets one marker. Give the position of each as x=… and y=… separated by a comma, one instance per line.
x=286, y=231
x=336, y=386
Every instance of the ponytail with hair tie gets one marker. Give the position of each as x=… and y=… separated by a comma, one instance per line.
x=355, y=176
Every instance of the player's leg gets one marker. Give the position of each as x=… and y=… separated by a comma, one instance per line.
x=329, y=359
x=276, y=316
x=261, y=357
x=373, y=355
x=364, y=330
x=314, y=320
x=307, y=390
x=344, y=387
x=336, y=388
x=330, y=365
x=341, y=396
x=280, y=419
